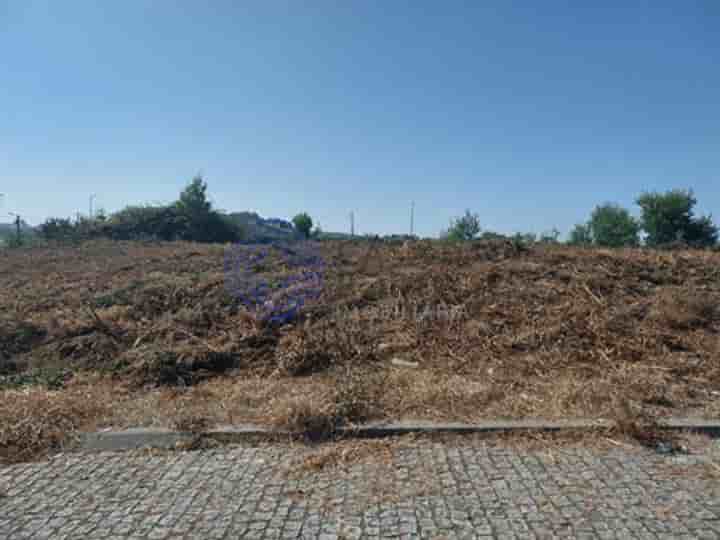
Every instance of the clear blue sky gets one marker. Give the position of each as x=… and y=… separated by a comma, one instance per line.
x=529, y=113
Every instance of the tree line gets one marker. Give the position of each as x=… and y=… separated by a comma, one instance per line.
x=665, y=219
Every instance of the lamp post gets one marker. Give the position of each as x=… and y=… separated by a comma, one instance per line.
x=412, y=218
x=18, y=221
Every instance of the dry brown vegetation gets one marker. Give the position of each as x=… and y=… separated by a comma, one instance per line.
x=549, y=331
x=35, y=420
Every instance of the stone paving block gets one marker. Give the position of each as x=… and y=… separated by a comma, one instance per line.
x=432, y=490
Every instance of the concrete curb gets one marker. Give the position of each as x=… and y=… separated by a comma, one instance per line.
x=133, y=439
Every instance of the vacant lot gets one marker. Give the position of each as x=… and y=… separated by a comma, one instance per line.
x=131, y=334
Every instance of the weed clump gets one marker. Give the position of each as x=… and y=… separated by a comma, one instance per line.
x=352, y=399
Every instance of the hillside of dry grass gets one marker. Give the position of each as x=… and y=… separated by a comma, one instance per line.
x=147, y=334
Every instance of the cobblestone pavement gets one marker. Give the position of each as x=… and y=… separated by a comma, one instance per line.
x=420, y=490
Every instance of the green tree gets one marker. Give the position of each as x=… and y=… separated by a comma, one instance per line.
x=197, y=221
x=463, y=228
x=580, y=235
x=702, y=232
x=147, y=221
x=195, y=216
x=193, y=200
x=613, y=226
x=669, y=217
x=303, y=224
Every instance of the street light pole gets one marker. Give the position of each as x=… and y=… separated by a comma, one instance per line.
x=17, y=225
x=412, y=218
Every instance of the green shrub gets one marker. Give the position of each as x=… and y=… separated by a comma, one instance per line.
x=463, y=228
x=669, y=217
x=191, y=218
x=303, y=224
x=613, y=226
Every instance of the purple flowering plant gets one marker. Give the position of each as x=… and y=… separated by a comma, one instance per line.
x=298, y=272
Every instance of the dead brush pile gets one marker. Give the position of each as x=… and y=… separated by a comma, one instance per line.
x=549, y=331
x=108, y=306
x=481, y=330
x=570, y=332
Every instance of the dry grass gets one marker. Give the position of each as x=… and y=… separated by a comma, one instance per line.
x=685, y=309
x=314, y=416
x=349, y=399
x=346, y=453
x=550, y=332
x=35, y=421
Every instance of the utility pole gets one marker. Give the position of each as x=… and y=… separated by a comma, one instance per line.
x=91, y=205
x=18, y=221
x=412, y=218
x=352, y=223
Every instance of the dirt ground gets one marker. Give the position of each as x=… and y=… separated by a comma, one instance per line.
x=139, y=334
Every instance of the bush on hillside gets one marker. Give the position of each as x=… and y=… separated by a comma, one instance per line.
x=463, y=228
x=191, y=218
x=612, y=226
x=669, y=217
